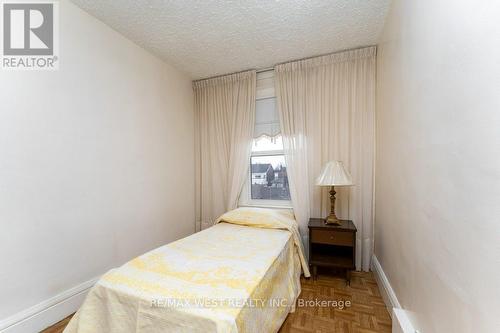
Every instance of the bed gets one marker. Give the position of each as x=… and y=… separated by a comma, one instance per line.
x=241, y=275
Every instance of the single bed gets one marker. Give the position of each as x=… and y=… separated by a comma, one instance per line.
x=241, y=275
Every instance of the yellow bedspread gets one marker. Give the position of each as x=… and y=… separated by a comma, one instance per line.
x=228, y=278
x=269, y=219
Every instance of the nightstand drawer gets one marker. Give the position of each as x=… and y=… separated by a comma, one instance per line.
x=332, y=237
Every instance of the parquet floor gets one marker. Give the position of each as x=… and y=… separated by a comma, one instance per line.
x=367, y=313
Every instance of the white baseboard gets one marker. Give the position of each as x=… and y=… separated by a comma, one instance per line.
x=400, y=321
x=48, y=312
x=388, y=294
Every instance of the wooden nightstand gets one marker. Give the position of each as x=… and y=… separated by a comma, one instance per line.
x=332, y=246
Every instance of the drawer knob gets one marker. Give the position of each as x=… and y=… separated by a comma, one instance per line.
x=331, y=237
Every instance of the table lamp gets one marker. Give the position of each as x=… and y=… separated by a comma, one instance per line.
x=333, y=174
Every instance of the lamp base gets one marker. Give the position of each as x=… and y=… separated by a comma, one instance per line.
x=333, y=220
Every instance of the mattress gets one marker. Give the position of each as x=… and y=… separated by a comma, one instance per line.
x=228, y=278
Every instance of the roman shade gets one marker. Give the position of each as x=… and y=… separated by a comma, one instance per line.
x=267, y=121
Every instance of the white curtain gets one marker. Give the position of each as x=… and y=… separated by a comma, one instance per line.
x=327, y=110
x=225, y=119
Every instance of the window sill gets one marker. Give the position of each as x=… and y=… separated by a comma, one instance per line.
x=259, y=205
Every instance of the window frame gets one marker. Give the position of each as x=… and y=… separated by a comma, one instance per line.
x=246, y=194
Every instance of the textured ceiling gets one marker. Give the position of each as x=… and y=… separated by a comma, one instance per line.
x=207, y=38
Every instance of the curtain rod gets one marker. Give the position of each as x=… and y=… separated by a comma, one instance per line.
x=268, y=69
x=265, y=70
x=221, y=75
x=326, y=54
x=262, y=70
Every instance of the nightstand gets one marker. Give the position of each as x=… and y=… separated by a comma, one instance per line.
x=332, y=246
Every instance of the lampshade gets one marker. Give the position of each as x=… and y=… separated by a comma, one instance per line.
x=334, y=174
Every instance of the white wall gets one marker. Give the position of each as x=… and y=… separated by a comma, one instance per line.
x=96, y=162
x=437, y=227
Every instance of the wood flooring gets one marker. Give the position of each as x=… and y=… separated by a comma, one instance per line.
x=367, y=313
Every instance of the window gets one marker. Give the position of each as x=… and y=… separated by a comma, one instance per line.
x=269, y=180
x=267, y=183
